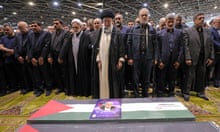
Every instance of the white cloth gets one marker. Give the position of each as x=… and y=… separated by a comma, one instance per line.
x=147, y=37
x=103, y=56
x=75, y=48
x=218, y=32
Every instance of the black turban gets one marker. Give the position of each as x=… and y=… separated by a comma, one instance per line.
x=107, y=13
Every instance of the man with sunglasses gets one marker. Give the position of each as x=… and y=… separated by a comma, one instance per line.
x=199, y=53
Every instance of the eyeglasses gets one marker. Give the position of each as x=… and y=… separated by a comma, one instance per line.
x=97, y=23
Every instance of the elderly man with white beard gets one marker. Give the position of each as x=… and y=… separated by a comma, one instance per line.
x=77, y=56
x=108, y=59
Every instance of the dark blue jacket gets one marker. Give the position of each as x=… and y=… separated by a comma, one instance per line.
x=56, y=43
x=216, y=39
x=133, y=43
x=8, y=42
x=40, y=46
x=164, y=48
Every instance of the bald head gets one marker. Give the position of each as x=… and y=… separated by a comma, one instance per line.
x=97, y=23
x=22, y=26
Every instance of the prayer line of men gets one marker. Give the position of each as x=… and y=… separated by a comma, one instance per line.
x=105, y=60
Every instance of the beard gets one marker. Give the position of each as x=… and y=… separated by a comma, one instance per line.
x=118, y=24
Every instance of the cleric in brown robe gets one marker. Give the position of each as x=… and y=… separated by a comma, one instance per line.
x=107, y=59
x=77, y=54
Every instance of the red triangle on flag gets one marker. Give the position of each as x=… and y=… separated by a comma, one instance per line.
x=51, y=107
x=27, y=128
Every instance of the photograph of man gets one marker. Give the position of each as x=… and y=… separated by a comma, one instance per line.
x=107, y=106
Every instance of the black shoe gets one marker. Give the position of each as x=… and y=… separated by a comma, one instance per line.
x=11, y=91
x=216, y=86
x=48, y=92
x=2, y=94
x=24, y=91
x=203, y=96
x=59, y=91
x=37, y=94
x=68, y=94
x=186, y=97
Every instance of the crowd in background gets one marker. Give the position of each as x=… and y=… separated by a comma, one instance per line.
x=104, y=58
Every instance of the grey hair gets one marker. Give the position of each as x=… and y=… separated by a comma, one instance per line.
x=23, y=23
x=143, y=9
x=170, y=16
x=162, y=20
x=216, y=18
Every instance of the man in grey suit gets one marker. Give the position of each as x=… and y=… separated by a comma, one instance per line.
x=199, y=54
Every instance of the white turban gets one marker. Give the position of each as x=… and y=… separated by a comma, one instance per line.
x=77, y=21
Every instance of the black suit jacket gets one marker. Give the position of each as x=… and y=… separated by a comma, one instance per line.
x=22, y=45
x=164, y=48
x=41, y=46
x=133, y=43
x=56, y=43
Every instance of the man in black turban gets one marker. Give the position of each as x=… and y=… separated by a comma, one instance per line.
x=108, y=59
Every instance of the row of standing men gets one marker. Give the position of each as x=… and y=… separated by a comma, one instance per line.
x=93, y=63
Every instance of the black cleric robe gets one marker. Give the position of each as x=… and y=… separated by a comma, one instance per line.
x=116, y=51
x=78, y=82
